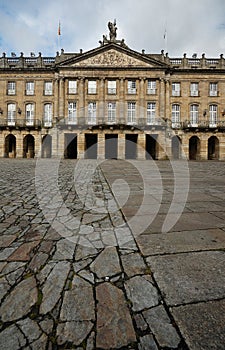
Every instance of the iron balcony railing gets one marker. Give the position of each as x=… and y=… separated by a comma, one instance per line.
x=200, y=124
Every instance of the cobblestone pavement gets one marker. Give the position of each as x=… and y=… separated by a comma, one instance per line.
x=81, y=269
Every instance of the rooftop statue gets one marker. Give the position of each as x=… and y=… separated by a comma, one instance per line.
x=112, y=30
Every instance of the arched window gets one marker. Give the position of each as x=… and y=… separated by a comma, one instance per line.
x=48, y=115
x=194, y=115
x=30, y=114
x=213, y=115
x=175, y=115
x=11, y=114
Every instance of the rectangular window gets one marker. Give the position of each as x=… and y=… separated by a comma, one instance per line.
x=72, y=86
x=131, y=113
x=48, y=88
x=213, y=91
x=131, y=87
x=30, y=114
x=151, y=88
x=112, y=87
x=175, y=89
x=11, y=89
x=48, y=115
x=151, y=107
x=194, y=89
x=30, y=88
x=213, y=115
x=111, y=112
x=11, y=114
x=92, y=113
x=72, y=113
x=175, y=115
x=92, y=87
x=194, y=115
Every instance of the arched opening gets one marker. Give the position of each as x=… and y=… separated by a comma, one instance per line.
x=70, y=146
x=10, y=146
x=28, y=146
x=213, y=148
x=46, y=149
x=111, y=146
x=91, y=149
x=151, y=146
x=194, y=148
x=176, y=147
x=131, y=146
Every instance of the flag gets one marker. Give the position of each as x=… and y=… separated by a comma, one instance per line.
x=59, y=29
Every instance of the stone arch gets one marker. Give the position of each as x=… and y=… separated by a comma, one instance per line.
x=10, y=146
x=46, y=149
x=194, y=148
x=176, y=147
x=213, y=148
x=28, y=146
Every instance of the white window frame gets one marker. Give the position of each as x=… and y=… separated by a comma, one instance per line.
x=72, y=113
x=175, y=115
x=111, y=112
x=11, y=88
x=194, y=112
x=213, y=89
x=92, y=86
x=48, y=112
x=48, y=88
x=213, y=115
x=151, y=87
x=131, y=113
x=131, y=87
x=194, y=89
x=11, y=114
x=111, y=87
x=151, y=113
x=92, y=109
x=29, y=88
x=176, y=89
x=72, y=86
x=29, y=112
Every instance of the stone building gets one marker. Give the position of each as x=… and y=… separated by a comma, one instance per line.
x=112, y=102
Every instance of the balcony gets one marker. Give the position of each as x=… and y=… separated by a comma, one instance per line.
x=20, y=123
x=203, y=124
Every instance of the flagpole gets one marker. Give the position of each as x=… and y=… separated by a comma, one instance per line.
x=59, y=36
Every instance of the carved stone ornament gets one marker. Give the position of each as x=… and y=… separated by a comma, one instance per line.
x=112, y=58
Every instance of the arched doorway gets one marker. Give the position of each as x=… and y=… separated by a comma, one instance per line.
x=46, y=149
x=10, y=146
x=213, y=148
x=176, y=147
x=151, y=146
x=28, y=146
x=70, y=146
x=194, y=148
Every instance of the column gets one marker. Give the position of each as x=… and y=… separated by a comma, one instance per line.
x=55, y=143
x=203, y=147
x=141, y=146
x=142, y=106
x=121, y=146
x=101, y=107
x=101, y=146
x=122, y=117
x=80, y=146
x=61, y=98
x=167, y=100
x=56, y=101
x=162, y=98
x=37, y=145
x=161, y=146
x=81, y=97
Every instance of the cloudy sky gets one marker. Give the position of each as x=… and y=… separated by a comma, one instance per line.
x=191, y=26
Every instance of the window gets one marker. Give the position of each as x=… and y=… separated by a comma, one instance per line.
x=175, y=115
x=72, y=86
x=194, y=115
x=151, y=113
x=29, y=114
x=151, y=88
x=111, y=112
x=212, y=115
x=131, y=117
x=194, y=89
x=11, y=114
x=175, y=89
x=48, y=88
x=92, y=87
x=111, y=87
x=11, y=89
x=48, y=115
x=92, y=113
x=30, y=88
x=72, y=113
x=213, y=89
x=131, y=87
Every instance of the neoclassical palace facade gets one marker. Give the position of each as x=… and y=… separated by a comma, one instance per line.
x=112, y=102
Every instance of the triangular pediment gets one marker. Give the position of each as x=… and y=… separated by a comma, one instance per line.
x=112, y=56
